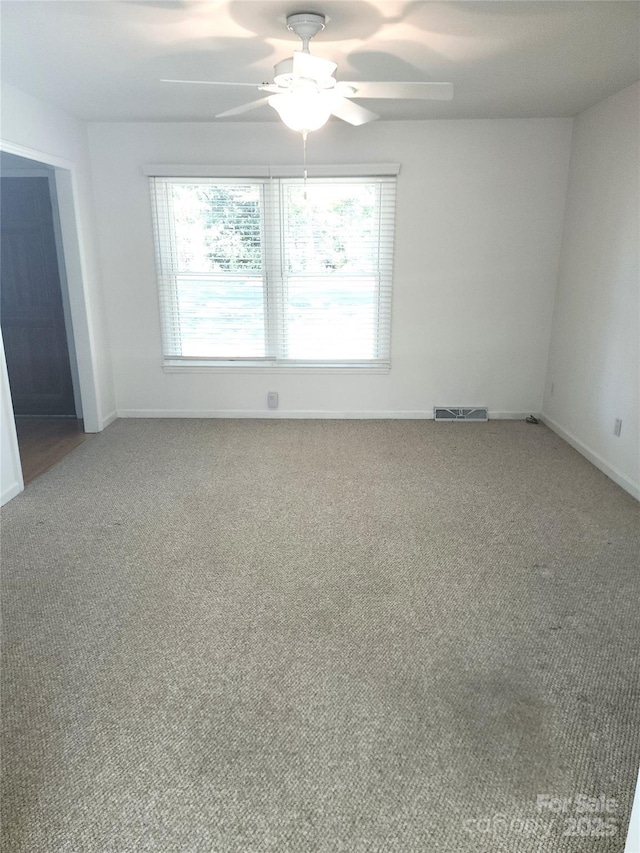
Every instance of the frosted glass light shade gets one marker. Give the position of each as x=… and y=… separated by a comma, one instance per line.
x=302, y=111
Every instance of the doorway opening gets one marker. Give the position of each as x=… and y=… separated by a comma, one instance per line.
x=35, y=317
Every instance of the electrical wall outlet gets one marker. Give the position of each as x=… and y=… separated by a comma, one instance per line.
x=617, y=427
x=272, y=399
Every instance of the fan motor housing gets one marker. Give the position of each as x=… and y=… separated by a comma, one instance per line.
x=285, y=77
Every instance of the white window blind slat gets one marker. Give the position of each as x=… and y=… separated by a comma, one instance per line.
x=275, y=271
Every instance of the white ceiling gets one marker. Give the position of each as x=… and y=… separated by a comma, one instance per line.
x=102, y=60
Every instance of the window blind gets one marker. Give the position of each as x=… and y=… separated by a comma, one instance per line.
x=275, y=271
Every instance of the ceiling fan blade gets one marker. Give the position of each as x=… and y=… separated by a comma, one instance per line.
x=348, y=111
x=210, y=83
x=236, y=111
x=312, y=67
x=418, y=91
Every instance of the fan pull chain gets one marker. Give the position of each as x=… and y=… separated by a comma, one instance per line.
x=304, y=163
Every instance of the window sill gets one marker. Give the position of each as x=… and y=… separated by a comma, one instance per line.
x=271, y=368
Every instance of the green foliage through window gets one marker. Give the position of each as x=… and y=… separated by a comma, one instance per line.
x=217, y=227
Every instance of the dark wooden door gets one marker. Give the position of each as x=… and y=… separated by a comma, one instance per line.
x=31, y=313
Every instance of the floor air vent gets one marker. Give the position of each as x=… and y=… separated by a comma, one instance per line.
x=460, y=414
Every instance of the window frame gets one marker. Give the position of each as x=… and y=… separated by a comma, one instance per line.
x=274, y=280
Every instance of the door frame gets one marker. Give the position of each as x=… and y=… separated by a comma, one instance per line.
x=11, y=466
x=74, y=266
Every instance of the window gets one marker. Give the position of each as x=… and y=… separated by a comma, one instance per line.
x=275, y=271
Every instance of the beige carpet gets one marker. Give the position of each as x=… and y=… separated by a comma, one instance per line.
x=321, y=636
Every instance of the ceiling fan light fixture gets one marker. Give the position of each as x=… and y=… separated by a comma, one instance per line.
x=302, y=111
x=305, y=91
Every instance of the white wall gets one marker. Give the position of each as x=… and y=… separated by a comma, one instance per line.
x=28, y=125
x=479, y=215
x=594, y=357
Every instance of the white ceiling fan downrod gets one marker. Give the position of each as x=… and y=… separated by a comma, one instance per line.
x=306, y=25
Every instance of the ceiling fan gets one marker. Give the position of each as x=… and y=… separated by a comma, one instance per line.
x=305, y=92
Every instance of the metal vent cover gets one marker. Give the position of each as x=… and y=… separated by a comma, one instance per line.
x=460, y=413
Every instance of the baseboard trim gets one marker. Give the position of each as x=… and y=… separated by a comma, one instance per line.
x=10, y=493
x=108, y=419
x=310, y=414
x=510, y=416
x=617, y=476
x=298, y=414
